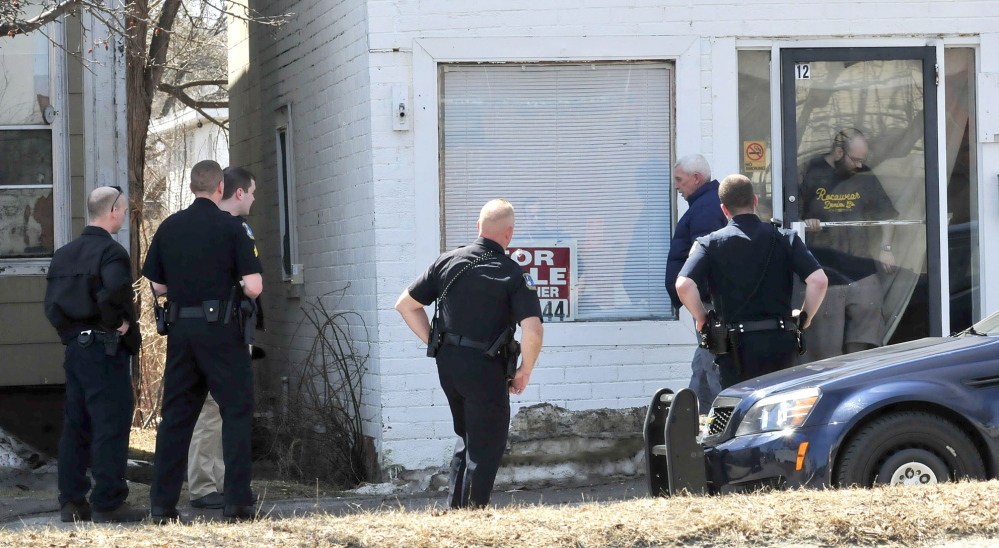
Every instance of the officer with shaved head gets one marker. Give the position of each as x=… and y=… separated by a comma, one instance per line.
x=481, y=296
x=88, y=300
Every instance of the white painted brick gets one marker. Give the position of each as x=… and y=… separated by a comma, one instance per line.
x=355, y=176
x=579, y=405
x=558, y=358
x=410, y=431
x=415, y=414
x=641, y=372
x=413, y=454
x=548, y=375
x=567, y=391
x=615, y=356
x=619, y=390
x=595, y=374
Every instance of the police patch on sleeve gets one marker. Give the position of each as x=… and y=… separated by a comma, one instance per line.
x=248, y=231
x=529, y=282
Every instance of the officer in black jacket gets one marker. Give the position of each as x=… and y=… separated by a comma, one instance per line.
x=748, y=266
x=202, y=258
x=88, y=299
x=487, y=293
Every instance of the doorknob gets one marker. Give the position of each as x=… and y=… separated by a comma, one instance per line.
x=791, y=199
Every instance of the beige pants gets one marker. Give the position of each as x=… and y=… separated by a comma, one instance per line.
x=205, y=467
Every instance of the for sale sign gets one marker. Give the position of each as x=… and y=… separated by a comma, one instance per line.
x=550, y=268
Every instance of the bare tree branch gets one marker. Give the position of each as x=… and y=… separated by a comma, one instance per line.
x=159, y=43
x=193, y=83
x=177, y=91
x=254, y=15
x=24, y=27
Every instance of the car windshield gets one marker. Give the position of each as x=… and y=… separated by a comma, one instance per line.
x=988, y=326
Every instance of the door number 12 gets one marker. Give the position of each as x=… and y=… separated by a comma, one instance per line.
x=802, y=71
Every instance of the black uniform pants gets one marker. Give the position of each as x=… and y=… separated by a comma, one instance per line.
x=760, y=352
x=203, y=358
x=96, y=424
x=477, y=393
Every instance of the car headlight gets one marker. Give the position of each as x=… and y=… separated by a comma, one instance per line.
x=779, y=411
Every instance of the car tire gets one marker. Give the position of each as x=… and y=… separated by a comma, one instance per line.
x=930, y=444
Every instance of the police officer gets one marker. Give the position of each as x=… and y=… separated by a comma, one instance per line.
x=205, y=465
x=486, y=293
x=748, y=267
x=88, y=300
x=202, y=258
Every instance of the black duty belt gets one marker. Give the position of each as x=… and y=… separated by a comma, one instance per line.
x=779, y=324
x=458, y=340
x=98, y=335
x=191, y=312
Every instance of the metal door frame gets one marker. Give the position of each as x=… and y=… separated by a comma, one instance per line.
x=789, y=57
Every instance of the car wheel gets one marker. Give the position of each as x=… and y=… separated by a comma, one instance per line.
x=922, y=445
x=912, y=467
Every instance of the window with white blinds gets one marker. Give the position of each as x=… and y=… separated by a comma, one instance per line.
x=583, y=152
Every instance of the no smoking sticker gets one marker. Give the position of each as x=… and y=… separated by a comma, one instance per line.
x=754, y=156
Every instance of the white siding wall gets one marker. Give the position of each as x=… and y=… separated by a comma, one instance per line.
x=367, y=194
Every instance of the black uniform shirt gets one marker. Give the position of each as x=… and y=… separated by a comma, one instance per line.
x=90, y=287
x=486, y=299
x=199, y=253
x=732, y=260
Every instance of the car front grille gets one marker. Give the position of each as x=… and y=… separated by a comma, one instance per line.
x=719, y=421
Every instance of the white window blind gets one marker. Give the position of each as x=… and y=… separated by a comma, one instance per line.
x=582, y=151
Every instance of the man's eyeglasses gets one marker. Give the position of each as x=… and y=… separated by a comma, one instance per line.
x=120, y=192
x=859, y=161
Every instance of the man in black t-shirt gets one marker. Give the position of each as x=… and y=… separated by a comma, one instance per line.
x=840, y=187
x=480, y=293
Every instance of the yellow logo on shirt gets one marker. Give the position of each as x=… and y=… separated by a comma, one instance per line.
x=837, y=201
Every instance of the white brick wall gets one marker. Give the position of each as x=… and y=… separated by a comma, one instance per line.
x=317, y=63
x=368, y=194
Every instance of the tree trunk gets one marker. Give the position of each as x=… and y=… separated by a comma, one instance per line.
x=143, y=76
x=139, y=111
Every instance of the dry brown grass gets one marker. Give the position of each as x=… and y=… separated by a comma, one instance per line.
x=142, y=443
x=884, y=517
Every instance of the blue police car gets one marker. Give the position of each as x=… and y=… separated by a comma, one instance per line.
x=921, y=412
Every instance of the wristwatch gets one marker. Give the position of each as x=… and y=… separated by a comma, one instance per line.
x=886, y=247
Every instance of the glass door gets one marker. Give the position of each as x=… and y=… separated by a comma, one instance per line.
x=860, y=171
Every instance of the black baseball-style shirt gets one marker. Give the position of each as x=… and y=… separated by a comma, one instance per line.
x=733, y=260
x=846, y=252
x=200, y=252
x=486, y=299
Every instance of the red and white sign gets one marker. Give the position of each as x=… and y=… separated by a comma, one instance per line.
x=550, y=267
